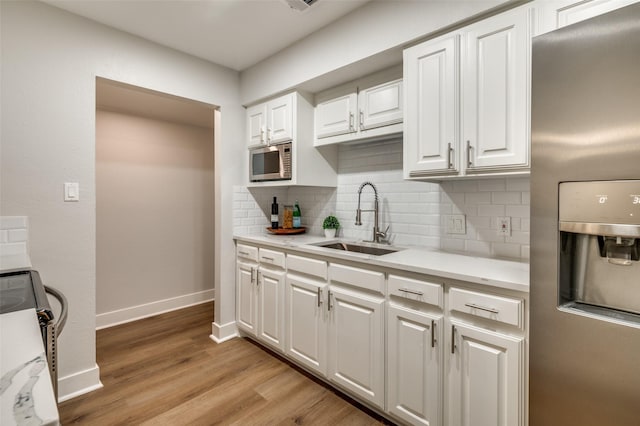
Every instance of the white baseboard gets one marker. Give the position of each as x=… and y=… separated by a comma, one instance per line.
x=222, y=333
x=79, y=383
x=121, y=316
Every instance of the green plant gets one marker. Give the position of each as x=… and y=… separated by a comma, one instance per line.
x=330, y=222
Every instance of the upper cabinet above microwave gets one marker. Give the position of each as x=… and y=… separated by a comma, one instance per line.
x=289, y=118
x=366, y=109
x=271, y=122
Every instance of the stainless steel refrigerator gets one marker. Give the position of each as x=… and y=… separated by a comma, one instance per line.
x=585, y=223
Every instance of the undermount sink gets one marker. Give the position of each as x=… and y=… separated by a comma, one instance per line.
x=359, y=248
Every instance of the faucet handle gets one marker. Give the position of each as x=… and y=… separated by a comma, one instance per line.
x=383, y=234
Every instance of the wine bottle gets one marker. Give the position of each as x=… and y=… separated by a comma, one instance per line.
x=274, y=214
x=297, y=218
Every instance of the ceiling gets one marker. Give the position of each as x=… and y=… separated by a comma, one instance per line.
x=234, y=33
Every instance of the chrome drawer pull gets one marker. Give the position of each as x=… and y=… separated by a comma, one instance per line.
x=406, y=290
x=244, y=253
x=433, y=333
x=482, y=308
x=271, y=259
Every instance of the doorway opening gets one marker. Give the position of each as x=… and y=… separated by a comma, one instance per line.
x=154, y=202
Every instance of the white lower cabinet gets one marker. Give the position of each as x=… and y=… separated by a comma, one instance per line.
x=246, y=288
x=260, y=294
x=271, y=307
x=414, y=365
x=485, y=378
x=356, y=343
x=423, y=352
x=306, y=327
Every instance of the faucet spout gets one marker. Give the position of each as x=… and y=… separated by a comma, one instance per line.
x=376, y=227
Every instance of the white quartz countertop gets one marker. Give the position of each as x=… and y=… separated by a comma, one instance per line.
x=26, y=392
x=506, y=274
x=14, y=262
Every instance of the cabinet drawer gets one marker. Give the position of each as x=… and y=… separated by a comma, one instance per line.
x=247, y=252
x=418, y=290
x=314, y=267
x=271, y=257
x=497, y=308
x=357, y=277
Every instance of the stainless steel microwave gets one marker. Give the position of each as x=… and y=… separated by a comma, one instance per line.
x=270, y=163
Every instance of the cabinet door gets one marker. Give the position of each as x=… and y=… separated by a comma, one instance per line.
x=336, y=116
x=271, y=307
x=380, y=105
x=246, y=310
x=356, y=337
x=485, y=378
x=257, y=125
x=495, y=91
x=306, y=322
x=414, y=366
x=431, y=122
x=280, y=119
x=558, y=14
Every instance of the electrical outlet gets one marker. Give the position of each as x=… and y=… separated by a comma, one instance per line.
x=504, y=226
x=455, y=224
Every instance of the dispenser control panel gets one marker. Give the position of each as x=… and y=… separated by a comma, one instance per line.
x=615, y=201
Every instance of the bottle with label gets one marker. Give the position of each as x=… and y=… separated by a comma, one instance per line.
x=274, y=214
x=297, y=218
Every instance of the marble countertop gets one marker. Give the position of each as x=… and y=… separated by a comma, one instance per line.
x=506, y=274
x=26, y=392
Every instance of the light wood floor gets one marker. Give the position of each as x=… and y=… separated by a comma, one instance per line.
x=165, y=370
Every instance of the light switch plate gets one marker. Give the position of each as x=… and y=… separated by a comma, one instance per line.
x=455, y=224
x=71, y=191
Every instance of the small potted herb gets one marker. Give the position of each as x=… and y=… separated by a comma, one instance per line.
x=330, y=226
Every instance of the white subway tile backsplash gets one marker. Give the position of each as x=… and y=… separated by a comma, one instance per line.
x=14, y=222
x=414, y=210
x=18, y=235
x=4, y=236
x=11, y=249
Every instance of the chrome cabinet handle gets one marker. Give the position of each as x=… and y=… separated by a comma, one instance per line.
x=406, y=290
x=433, y=333
x=262, y=134
x=258, y=280
x=453, y=339
x=361, y=120
x=319, y=297
x=329, y=300
x=252, y=275
x=351, y=121
x=244, y=253
x=449, y=156
x=270, y=259
x=469, y=162
x=482, y=308
x=268, y=135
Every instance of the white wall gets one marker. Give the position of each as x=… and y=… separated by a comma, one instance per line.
x=369, y=30
x=50, y=60
x=154, y=216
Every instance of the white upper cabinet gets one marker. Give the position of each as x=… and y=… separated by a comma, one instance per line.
x=271, y=122
x=467, y=100
x=380, y=105
x=336, y=116
x=560, y=13
x=370, y=108
x=495, y=89
x=431, y=88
